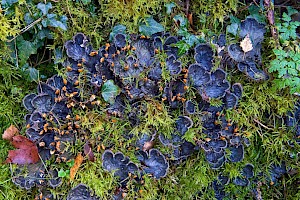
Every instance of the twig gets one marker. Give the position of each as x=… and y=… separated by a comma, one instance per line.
x=270, y=15
x=258, y=122
x=187, y=6
x=26, y=28
x=17, y=60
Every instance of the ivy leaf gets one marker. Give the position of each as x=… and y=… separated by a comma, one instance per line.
x=183, y=22
x=33, y=74
x=86, y=2
x=169, y=7
x=150, y=27
x=117, y=29
x=28, y=19
x=191, y=40
x=44, y=7
x=109, y=91
x=25, y=49
x=51, y=20
x=255, y=12
x=233, y=29
x=8, y=3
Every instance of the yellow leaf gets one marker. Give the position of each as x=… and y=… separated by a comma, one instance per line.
x=246, y=44
x=77, y=163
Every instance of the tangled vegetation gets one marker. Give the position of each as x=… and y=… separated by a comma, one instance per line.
x=154, y=99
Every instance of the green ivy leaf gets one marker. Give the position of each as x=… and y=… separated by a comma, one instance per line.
x=183, y=22
x=8, y=3
x=25, y=49
x=233, y=29
x=150, y=27
x=51, y=20
x=191, y=40
x=44, y=7
x=86, y=2
x=169, y=7
x=33, y=74
x=255, y=12
x=109, y=91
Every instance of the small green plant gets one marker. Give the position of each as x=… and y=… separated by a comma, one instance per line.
x=287, y=55
x=62, y=173
x=287, y=29
x=286, y=65
x=189, y=40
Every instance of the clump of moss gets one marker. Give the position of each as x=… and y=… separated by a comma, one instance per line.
x=213, y=13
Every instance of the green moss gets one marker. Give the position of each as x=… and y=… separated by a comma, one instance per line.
x=211, y=14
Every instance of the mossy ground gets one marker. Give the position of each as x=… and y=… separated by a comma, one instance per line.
x=189, y=180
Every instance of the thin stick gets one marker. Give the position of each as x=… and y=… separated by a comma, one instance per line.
x=26, y=28
x=258, y=122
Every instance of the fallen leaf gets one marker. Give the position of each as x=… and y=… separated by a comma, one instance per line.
x=26, y=152
x=10, y=132
x=88, y=151
x=77, y=163
x=190, y=18
x=246, y=44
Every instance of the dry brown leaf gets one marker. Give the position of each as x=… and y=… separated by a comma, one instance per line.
x=78, y=161
x=87, y=148
x=26, y=152
x=10, y=132
x=246, y=44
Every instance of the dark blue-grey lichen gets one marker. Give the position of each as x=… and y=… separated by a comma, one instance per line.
x=119, y=164
x=219, y=186
x=198, y=75
x=190, y=107
x=120, y=40
x=169, y=47
x=54, y=180
x=27, y=102
x=204, y=56
x=277, y=171
x=231, y=100
x=247, y=171
x=217, y=86
x=248, y=61
x=173, y=65
x=237, y=153
x=81, y=192
x=144, y=139
x=35, y=176
x=77, y=48
x=183, y=123
x=153, y=163
x=237, y=90
x=241, y=181
x=134, y=67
